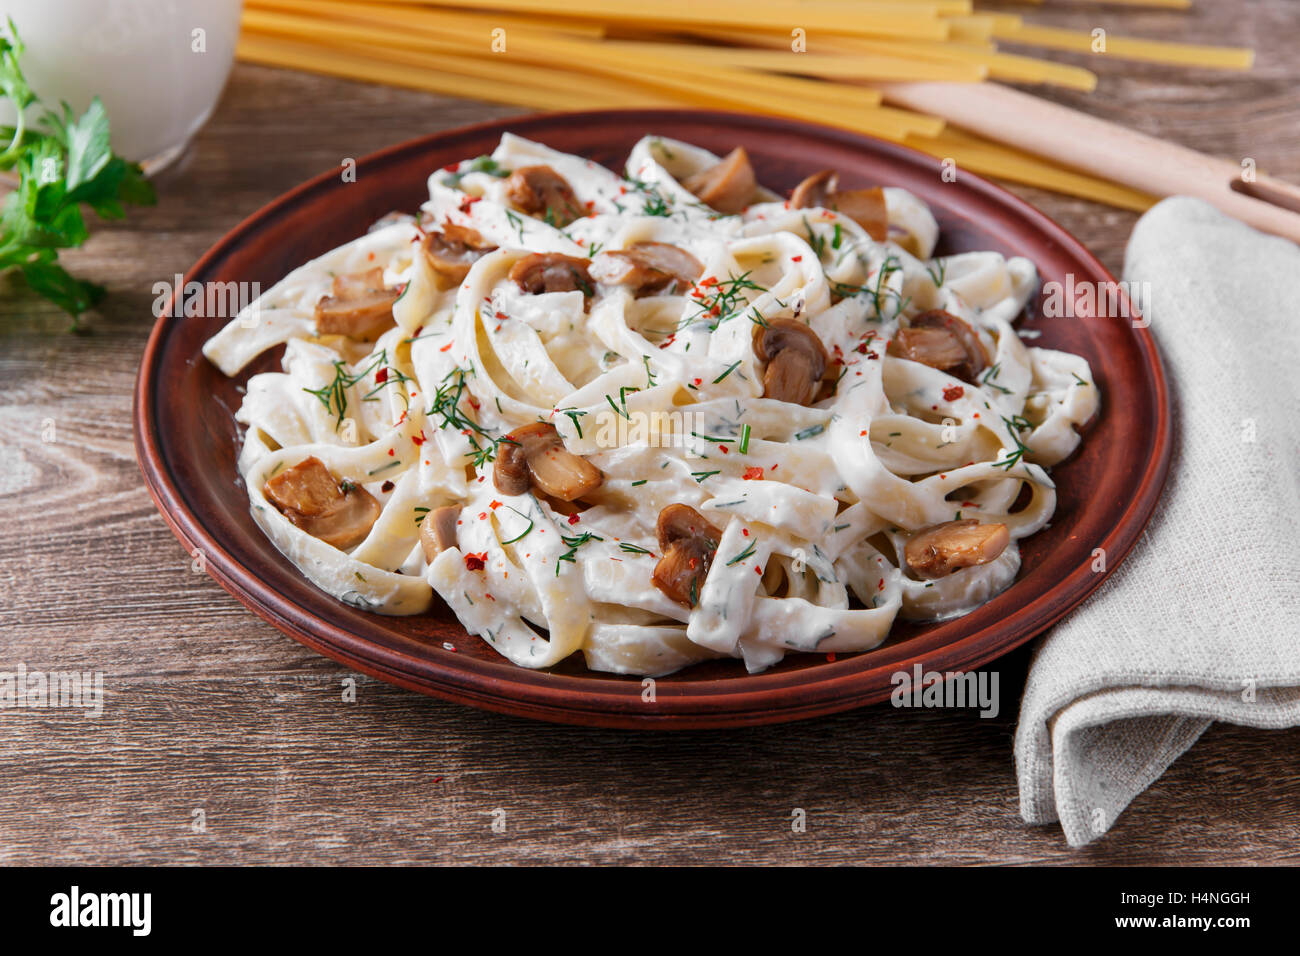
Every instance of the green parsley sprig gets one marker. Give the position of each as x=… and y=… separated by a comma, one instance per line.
x=63, y=162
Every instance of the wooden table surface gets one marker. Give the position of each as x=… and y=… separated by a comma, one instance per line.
x=208, y=708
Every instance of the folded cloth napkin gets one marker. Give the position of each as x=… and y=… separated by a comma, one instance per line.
x=1201, y=622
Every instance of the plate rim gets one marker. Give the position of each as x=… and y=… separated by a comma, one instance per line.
x=562, y=698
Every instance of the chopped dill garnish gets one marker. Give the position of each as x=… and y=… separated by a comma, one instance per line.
x=574, y=414
x=937, y=277
x=446, y=404
x=724, y=300
x=479, y=164
x=1021, y=449
x=815, y=242
x=573, y=543
x=656, y=205
x=525, y=531
x=743, y=555
x=334, y=394
x=517, y=222
x=992, y=373
x=730, y=368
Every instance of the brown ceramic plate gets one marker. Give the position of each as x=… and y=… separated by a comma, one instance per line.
x=186, y=438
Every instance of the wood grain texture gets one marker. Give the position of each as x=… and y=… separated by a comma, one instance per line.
x=209, y=708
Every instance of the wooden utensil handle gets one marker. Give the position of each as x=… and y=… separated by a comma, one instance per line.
x=1105, y=149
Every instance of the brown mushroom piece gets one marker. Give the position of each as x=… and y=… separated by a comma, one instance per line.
x=453, y=250
x=338, y=513
x=796, y=360
x=688, y=543
x=866, y=207
x=647, y=268
x=728, y=185
x=552, y=272
x=358, y=306
x=534, y=456
x=543, y=193
x=941, y=549
x=438, y=530
x=944, y=341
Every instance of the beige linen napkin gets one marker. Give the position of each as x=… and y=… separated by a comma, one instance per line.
x=1201, y=622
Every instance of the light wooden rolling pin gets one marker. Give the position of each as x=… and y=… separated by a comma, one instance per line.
x=1105, y=149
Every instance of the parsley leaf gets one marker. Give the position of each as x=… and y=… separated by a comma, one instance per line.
x=63, y=162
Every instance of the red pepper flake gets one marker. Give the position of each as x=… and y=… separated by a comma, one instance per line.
x=494, y=505
x=482, y=515
x=830, y=658
x=370, y=257
x=758, y=571
x=723, y=449
x=573, y=518
x=745, y=532
x=475, y=562
x=796, y=258
x=699, y=381
x=390, y=453
x=386, y=487
x=861, y=433
x=419, y=440
x=381, y=376
x=445, y=348
x=977, y=414
x=451, y=167
x=969, y=504
x=488, y=596
x=502, y=315
x=953, y=392
x=590, y=204
x=754, y=473
x=469, y=201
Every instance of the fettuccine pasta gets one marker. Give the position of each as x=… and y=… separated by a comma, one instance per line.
x=657, y=417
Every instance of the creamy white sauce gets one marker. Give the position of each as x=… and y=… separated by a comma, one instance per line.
x=897, y=448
